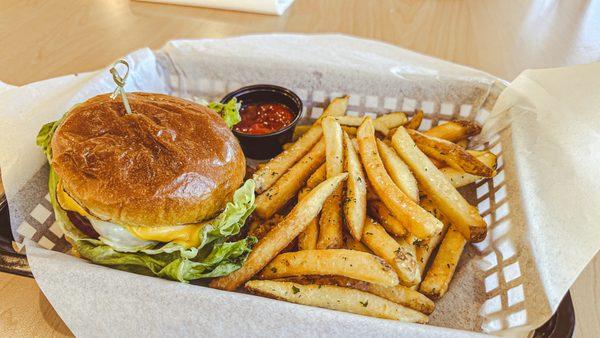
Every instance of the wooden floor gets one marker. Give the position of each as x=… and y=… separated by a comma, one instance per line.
x=43, y=39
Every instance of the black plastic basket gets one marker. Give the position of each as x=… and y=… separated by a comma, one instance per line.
x=562, y=324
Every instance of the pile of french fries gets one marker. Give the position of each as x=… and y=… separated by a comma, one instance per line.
x=378, y=226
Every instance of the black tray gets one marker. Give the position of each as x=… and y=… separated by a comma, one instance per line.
x=561, y=325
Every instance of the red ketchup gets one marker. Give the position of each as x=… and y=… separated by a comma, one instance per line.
x=264, y=118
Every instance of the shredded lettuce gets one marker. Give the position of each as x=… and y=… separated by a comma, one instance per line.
x=214, y=257
x=230, y=111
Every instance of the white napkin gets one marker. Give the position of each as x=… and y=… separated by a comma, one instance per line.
x=273, y=7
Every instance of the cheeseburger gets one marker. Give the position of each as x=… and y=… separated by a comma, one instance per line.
x=157, y=191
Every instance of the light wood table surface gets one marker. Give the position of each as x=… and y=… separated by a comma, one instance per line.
x=43, y=39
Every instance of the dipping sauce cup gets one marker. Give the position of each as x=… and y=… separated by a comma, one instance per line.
x=269, y=116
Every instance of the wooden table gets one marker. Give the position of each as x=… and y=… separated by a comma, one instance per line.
x=43, y=39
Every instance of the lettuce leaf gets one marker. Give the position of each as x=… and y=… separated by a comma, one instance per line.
x=230, y=111
x=44, y=136
x=214, y=256
x=222, y=259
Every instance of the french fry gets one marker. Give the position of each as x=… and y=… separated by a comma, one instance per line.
x=355, y=203
x=487, y=157
x=424, y=249
x=438, y=163
x=459, y=178
x=398, y=294
x=307, y=240
x=287, y=146
x=353, y=244
x=272, y=200
x=398, y=171
x=355, y=121
x=464, y=143
x=334, y=146
x=253, y=223
x=260, y=228
x=384, y=123
x=415, y=121
x=371, y=194
x=266, y=176
x=317, y=177
x=454, y=131
x=416, y=220
x=280, y=236
x=349, y=130
x=336, y=298
x=299, y=131
x=331, y=222
x=450, y=153
x=350, y=121
x=337, y=107
x=398, y=255
x=384, y=216
x=461, y=214
x=339, y=262
x=442, y=268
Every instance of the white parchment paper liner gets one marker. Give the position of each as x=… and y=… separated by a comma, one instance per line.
x=540, y=207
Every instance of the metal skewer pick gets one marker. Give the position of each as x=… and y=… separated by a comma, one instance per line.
x=120, y=82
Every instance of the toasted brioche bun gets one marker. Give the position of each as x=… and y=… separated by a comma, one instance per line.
x=170, y=162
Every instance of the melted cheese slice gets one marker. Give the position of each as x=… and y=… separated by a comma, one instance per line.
x=186, y=235
x=68, y=203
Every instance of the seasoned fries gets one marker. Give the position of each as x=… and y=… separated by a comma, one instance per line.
x=266, y=176
x=317, y=177
x=307, y=240
x=299, y=131
x=450, y=153
x=339, y=262
x=259, y=228
x=334, y=145
x=400, y=256
x=353, y=244
x=327, y=252
x=336, y=298
x=440, y=273
x=384, y=216
x=330, y=222
x=384, y=123
x=398, y=171
x=281, y=235
x=349, y=130
x=459, y=178
x=415, y=121
x=350, y=121
x=398, y=294
x=355, y=203
x=424, y=249
x=414, y=218
x=463, y=216
x=355, y=121
x=337, y=107
x=454, y=131
x=269, y=202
